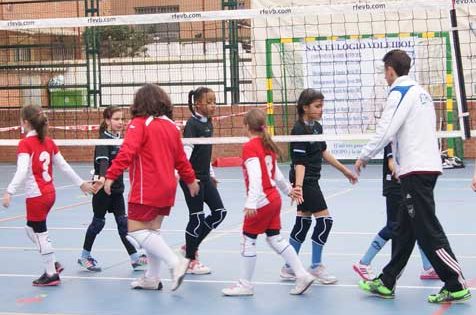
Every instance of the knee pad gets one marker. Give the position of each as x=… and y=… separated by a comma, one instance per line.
x=248, y=247
x=215, y=218
x=96, y=226
x=386, y=233
x=195, y=222
x=137, y=238
x=121, y=221
x=300, y=229
x=322, y=229
x=44, y=244
x=277, y=243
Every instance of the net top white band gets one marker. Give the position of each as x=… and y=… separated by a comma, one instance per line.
x=237, y=140
x=328, y=9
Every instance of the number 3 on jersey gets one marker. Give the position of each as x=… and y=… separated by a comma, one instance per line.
x=46, y=160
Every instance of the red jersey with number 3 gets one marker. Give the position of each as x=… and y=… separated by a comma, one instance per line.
x=266, y=191
x=39, y=179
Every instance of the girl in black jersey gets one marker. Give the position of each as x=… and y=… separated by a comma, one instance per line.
x=305, y=174
x=110, y=128
x=202, y=105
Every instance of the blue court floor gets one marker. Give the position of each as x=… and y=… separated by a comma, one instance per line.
x=358, y=211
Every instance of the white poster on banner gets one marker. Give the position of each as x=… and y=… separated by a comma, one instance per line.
x=349, y=72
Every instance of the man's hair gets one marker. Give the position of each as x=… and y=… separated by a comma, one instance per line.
x=398, y=60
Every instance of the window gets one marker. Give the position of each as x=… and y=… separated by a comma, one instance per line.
x=161, y=31
x=22, y=54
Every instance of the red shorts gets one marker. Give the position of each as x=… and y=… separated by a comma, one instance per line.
x=37, y=208
x=266, y=218
x=145, y=213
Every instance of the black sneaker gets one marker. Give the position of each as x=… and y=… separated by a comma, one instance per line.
x=47, y=281
x=59, y=268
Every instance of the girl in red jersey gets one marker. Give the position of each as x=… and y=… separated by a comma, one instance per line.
x=263, y=206
x=152, y=150
x=36, y=155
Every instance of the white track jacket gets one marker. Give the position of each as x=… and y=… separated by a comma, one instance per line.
x=409, y=122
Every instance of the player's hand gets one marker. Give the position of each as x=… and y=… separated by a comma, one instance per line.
x=98, y=184
x=107, y=186
x=214, y=181
x=250, y=212
x=194, y=188
x=87, y=188
x=359, y=165
x=353, y=178
x=296, y=195
x=6, y=199
x=473, y=184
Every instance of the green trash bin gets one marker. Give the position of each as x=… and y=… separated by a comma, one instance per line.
x=67, y=98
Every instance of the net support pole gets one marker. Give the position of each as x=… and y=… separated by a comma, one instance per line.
x=460, y=87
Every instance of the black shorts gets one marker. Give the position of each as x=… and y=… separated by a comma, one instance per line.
x=313, y=198
x=208, y=194
x=103, y=203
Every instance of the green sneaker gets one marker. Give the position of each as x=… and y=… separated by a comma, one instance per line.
x=445, y=296
x=377, y=288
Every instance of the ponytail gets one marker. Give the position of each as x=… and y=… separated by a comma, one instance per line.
x=37, y=120
x=191, y=97
x=268, y=142
x=255, y=120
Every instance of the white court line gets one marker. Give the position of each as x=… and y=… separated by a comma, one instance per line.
x=57, y=188
x=264, y=283
x=456, y=179
x=210, y=251
x=238, y=228
x=226, y=232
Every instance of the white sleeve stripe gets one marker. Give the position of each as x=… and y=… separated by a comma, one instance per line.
x=300, y=151
x=255, y=185
x=23, y=163
x=102, y=158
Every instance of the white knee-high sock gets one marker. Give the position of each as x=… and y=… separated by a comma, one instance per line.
x=153, y=267
x=153, y=243
x=292, y=259
x=248, y=259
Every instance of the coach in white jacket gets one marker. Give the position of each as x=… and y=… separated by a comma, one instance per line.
x=409, y=122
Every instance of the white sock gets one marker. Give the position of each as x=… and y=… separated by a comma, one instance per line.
x=49, y=262
x=248, y=269
x=248, y=259
x=155, y=245
x=292, y=259
x=153, y=267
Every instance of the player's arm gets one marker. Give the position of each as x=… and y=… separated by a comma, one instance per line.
x=23, y=162
x=327, y=155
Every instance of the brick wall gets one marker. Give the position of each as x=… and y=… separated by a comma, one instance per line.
x=229, y=122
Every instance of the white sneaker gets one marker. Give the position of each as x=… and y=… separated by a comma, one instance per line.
x=178, y=272
x=364, y=271
x=239, y=289
x=147, y=284
x=287, y=274
x=302, y=284
x=322, y=275
x=197, y=268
